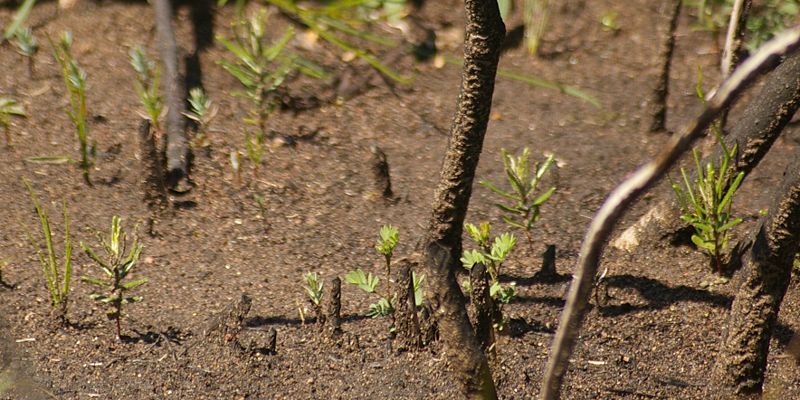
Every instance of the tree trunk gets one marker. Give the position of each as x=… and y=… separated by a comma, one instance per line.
x=760, y=124
x=743, y=357
x=406, y=321
x=484, y=35
x=177, y=150
x=658, y=102
x=484, y=306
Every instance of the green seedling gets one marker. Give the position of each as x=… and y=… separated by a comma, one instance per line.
x=369, y=283
x=261, y=69
x=386, y=244
x=609, y=21
x=202, y=111
x=525, y=200
x=116, y=266
x=9, y=108
x=57, y=274
x=389, y=236
x=75, y=82
x=255, y=144
x=28, y=46
x=19, y=19
x=148, y=76
x=706, y=203
x=535, y=18
x=419, y=294
x=492, y=254
x=313, y=289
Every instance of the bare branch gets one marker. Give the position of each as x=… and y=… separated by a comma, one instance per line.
x=630, y=189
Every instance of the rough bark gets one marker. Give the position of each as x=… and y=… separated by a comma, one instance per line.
x=406, y=320
x=333, y=312
x=629, y=190
x=155, y=194
x=754, y=132
x=743, y=357
x=658, y=102
x=380, y=173
x=548, y=271
x=177, y=147
x=225, y=326
x=483, y=39
x=482, y=303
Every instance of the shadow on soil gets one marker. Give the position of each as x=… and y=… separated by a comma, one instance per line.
x=659, y=295
x=260, y=322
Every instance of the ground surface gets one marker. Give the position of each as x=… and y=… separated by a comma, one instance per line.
x=655, y=338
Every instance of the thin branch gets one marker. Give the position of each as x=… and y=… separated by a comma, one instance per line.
x=630, y=189
x=733, y=39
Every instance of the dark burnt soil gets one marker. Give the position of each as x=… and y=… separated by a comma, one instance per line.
x=655, y=337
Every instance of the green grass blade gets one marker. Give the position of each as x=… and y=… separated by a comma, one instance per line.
x=19, y=18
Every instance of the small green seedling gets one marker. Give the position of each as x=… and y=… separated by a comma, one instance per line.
x=75, y=82
x=28, y=46
x=261, y=70
x=313, y=289
x=535, y=18
x=609, y=21
x=419, y=294
x=369, y=283
x=386, y=244
x=255, y=145
x=492, y=256
x=525, y=200
x=706, y=203
x=389, y=236
x=202, y=111
x=116, y=265
x=57, y=275
x=9, y=108
x=148, y=76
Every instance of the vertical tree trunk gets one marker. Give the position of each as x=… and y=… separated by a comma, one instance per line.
x=484, y=306
x=743, y=357
x=484, y=35
x=177, y=150
x=658, y=102
x=333, y=312
x=406, y=320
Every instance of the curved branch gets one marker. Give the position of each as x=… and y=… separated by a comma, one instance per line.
x=630, y=189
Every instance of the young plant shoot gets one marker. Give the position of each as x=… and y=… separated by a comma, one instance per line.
x=57, y=275
x=261, y=69
x=148, y=76
x=9, y=108
x=525, y=200
x=202, y=111
x=75, y=82
x=116, y=265
x=492, y=255
x=313, y=289
x=369, y=283
x=389, y=237
x=706, y=203
x=28, y=46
